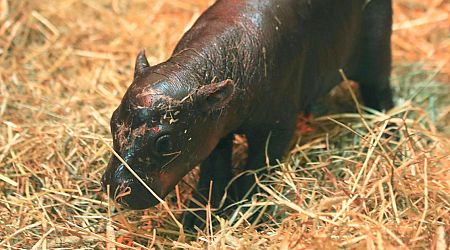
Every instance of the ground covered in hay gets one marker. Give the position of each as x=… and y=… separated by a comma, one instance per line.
x=64, y=66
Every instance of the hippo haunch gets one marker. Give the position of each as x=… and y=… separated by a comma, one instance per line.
x=245, y=67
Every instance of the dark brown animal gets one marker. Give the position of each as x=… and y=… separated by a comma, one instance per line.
x=246, y=67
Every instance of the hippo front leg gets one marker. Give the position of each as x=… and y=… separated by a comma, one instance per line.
x=216, y=169
x=268, y=143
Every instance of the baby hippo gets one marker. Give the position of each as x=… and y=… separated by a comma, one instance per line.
x=245, y=67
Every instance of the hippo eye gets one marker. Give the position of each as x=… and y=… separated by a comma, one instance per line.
x=164, y=145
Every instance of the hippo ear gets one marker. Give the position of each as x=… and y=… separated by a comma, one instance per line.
x=215, y=95
x=142, y=64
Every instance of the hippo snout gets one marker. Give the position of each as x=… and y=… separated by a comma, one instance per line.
x=128, y=191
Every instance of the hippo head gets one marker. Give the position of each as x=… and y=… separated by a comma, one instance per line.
x=161, y=129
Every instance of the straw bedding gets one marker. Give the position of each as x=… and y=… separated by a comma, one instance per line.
x=357, y=180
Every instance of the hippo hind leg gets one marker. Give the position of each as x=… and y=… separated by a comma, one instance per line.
x=374, y=68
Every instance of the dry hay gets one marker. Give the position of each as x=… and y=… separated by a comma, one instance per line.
x=64, y=66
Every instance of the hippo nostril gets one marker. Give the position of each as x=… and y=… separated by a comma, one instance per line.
x=122, y=191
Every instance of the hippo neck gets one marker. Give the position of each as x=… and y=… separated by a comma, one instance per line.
x=215, y=59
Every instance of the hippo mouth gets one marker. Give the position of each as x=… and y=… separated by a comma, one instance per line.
x=129, y=192
x=134, y=195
